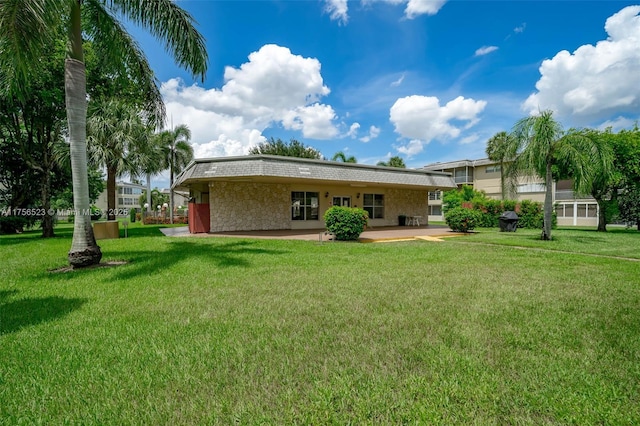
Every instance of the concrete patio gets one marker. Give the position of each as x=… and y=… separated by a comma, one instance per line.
x=377, y=234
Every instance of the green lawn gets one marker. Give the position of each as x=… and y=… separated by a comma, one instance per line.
x=222, y=331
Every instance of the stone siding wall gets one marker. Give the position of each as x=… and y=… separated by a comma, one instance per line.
x=406, y=202
x=249, y=206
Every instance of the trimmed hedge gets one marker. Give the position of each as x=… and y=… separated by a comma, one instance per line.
x=347, y=223
x=531, y=213
x=461, y=219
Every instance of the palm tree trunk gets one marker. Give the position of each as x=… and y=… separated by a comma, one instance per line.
x=84, y=250
x=45, y=191
x=171, y=194
x=111, y=193
x=548, y=204
x=148, y=193
x=602, y=214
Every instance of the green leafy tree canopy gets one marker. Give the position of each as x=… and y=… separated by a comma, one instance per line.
x=293, y=148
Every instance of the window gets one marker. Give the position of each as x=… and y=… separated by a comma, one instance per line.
x=304, y=205
x=493, y=169
x=435, y=210
x=564, y=210
x=435, y=195
x=374, y=205
x=530, y=187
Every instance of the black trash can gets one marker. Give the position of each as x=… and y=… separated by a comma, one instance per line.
x=508, y=221
x=402, y=220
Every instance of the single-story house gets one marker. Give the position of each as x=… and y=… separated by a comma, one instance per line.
x=266, y=192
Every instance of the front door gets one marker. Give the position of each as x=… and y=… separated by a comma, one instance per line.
x=342, y=201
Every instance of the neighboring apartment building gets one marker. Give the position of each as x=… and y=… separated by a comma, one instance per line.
x=127, y=197
x=484, y=175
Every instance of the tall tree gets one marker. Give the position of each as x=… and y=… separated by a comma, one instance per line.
x=36, y=122
x=26, y=28
x=116, y=136
x=541, y=143
x=150, y=161
x=340, y=156
x=394, y=161
x=627, y=162
x=177, y=154
x=293, y=148
x=500, y=148
x=605, y=179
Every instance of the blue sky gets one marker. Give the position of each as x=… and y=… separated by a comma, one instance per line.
x=426, y=80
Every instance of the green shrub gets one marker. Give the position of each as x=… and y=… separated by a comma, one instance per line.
x=461, y=219
x=509, y=205
x=12, y=224
x=132, y=215
x=532, y=215
x=490, y=210
x=456, y=197
x=347, y=223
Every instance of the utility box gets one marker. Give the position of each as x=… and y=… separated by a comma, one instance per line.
x=508, y=221
x=106, y=230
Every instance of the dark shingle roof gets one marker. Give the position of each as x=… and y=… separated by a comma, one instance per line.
x=255, y=166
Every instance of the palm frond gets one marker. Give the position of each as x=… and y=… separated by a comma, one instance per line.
x=116, y=47
x=171, y=25
x=27, y=27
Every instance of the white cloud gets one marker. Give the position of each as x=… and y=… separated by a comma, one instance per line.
x=469, y=139
x=274, y=86
x=422, y=119
x=353, y=130
x=412, y=148
x=398, y=82
x=485, y=50
x=520, y=29
x=594, y=82
x=619, y=123
x=337, y=10
x=421, y=7
x=374, y=132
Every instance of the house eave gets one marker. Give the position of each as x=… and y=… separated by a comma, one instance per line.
x=269, y=168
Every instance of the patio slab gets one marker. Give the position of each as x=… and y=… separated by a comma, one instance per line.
x=377, y=234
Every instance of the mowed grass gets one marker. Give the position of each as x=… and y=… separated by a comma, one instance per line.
x=222, y=331
x=616, y=242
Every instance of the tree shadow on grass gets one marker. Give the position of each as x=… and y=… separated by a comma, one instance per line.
x=142, y=231
x=17, y=314
x=145, y=263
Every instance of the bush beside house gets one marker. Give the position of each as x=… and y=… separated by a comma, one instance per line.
x=461, y=219
x=531, y=213
x=346, y=223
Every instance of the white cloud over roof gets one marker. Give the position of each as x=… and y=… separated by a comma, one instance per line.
x=274, y=86
x=422, y=119
x=374, y=132
x=594, y=81
x=338, y=10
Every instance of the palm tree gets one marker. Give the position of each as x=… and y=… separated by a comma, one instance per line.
x=541, y=143
x=116, y=137
x=177, y=154
x=394, y=161
x=28, y=26
x=501, y=148
x=150, y=162
x=340, y=156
